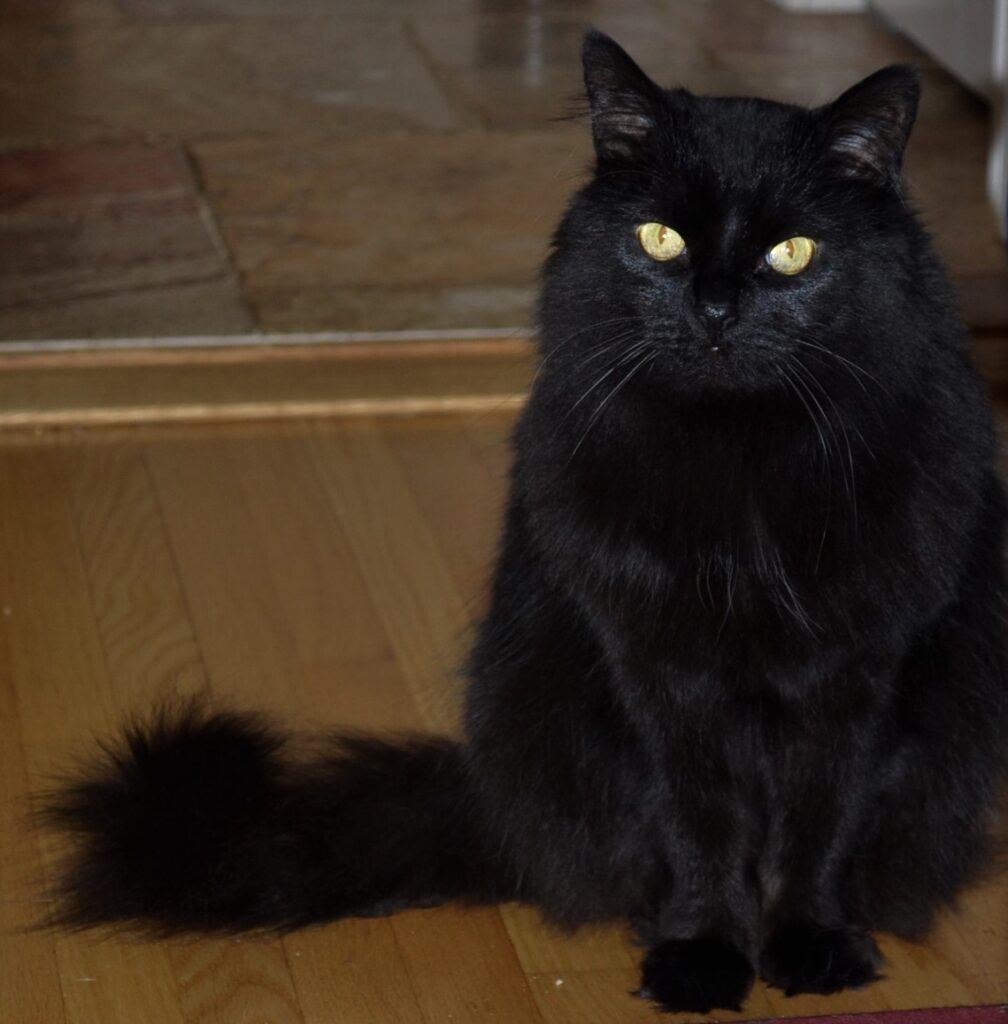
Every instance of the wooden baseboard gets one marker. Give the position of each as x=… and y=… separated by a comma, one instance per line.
x=104, y=388
x=149, y=386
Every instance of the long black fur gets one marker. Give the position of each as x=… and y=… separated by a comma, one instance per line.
x=741, y=680
x=199, y=821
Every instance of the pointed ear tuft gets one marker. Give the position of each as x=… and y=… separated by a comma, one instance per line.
x=624, y=101
x=868, y=126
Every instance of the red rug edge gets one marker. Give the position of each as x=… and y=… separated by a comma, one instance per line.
x=996, y=1013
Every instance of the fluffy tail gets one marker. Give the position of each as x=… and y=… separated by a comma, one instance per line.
x=199, y=822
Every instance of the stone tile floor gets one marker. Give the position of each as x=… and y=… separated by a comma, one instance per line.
x=173, y=167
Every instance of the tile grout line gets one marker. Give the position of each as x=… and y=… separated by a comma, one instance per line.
x=211, y=224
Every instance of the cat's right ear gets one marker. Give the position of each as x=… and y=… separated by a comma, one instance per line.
x=624, y=101
x=868, y=126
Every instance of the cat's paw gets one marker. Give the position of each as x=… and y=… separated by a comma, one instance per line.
x=698, y=975
x=824, y=960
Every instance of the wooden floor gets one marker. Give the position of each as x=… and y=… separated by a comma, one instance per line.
x=328, y=571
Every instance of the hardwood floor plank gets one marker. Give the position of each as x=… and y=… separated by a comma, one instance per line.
x=542, y=949
x=29, y=975
x=244, y=638
x=598, y=996
x=48, y=599
x=848, y=1001
x=982, y=922
x=489, y=435
x=966, y=957
x=242, y=980
x=346, y=669
x=457, y=493
x=604, y=996
x=353, y=972
x=147, y=638
x=64, y=694
x=425, y=615
x=118, y=981
x=464, y=967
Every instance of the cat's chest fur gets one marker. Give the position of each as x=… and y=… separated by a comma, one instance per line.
x=733, y=554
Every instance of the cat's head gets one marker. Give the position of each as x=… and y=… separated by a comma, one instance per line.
x=737, y=242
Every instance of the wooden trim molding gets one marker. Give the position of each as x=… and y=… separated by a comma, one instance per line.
x=163, y=385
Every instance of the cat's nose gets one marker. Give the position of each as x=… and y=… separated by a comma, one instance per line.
x=716, y=306
x=717, y=312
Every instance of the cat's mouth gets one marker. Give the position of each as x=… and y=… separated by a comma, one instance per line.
x=724, y=364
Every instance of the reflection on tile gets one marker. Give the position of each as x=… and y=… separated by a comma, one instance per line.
x=328, y=8
x=763, y=35
x=213, y=78
x=170, y=310
x=98, y=240
x=60, y=12
x=312, y=307
x=236, y=8
x=462, y=217
x=147, y=245
x=34, y=180
x=523, y=71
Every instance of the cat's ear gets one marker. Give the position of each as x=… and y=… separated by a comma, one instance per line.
x=624, y=101
x=868, y=126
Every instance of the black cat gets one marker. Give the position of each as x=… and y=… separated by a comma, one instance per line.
x=741, y=679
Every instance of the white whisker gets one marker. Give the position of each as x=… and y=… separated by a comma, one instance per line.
x=612, y=394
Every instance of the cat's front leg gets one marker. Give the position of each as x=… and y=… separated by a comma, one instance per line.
x=809, y=949
x=702, y=926
x=820, y=782
x=703, y=930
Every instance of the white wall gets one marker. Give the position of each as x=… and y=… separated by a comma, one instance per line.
x=959, y=33
x=970, y=38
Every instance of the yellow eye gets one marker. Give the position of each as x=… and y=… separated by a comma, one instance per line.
x=792, y=256
x=659, y=241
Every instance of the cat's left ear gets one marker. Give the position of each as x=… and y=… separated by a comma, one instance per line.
x=868, y=126
x=624, y=101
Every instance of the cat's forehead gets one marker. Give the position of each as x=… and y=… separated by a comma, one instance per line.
x=737, y=138
x=724, y=157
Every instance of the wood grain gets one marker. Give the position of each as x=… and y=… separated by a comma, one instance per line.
x=405, y=573
x=29, y=972
x=329, y=571
x=64, y=694
x=147, y=639
x=353, y=972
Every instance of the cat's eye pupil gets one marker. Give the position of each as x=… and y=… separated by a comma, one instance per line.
x=662, y=232
x=789, y=245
